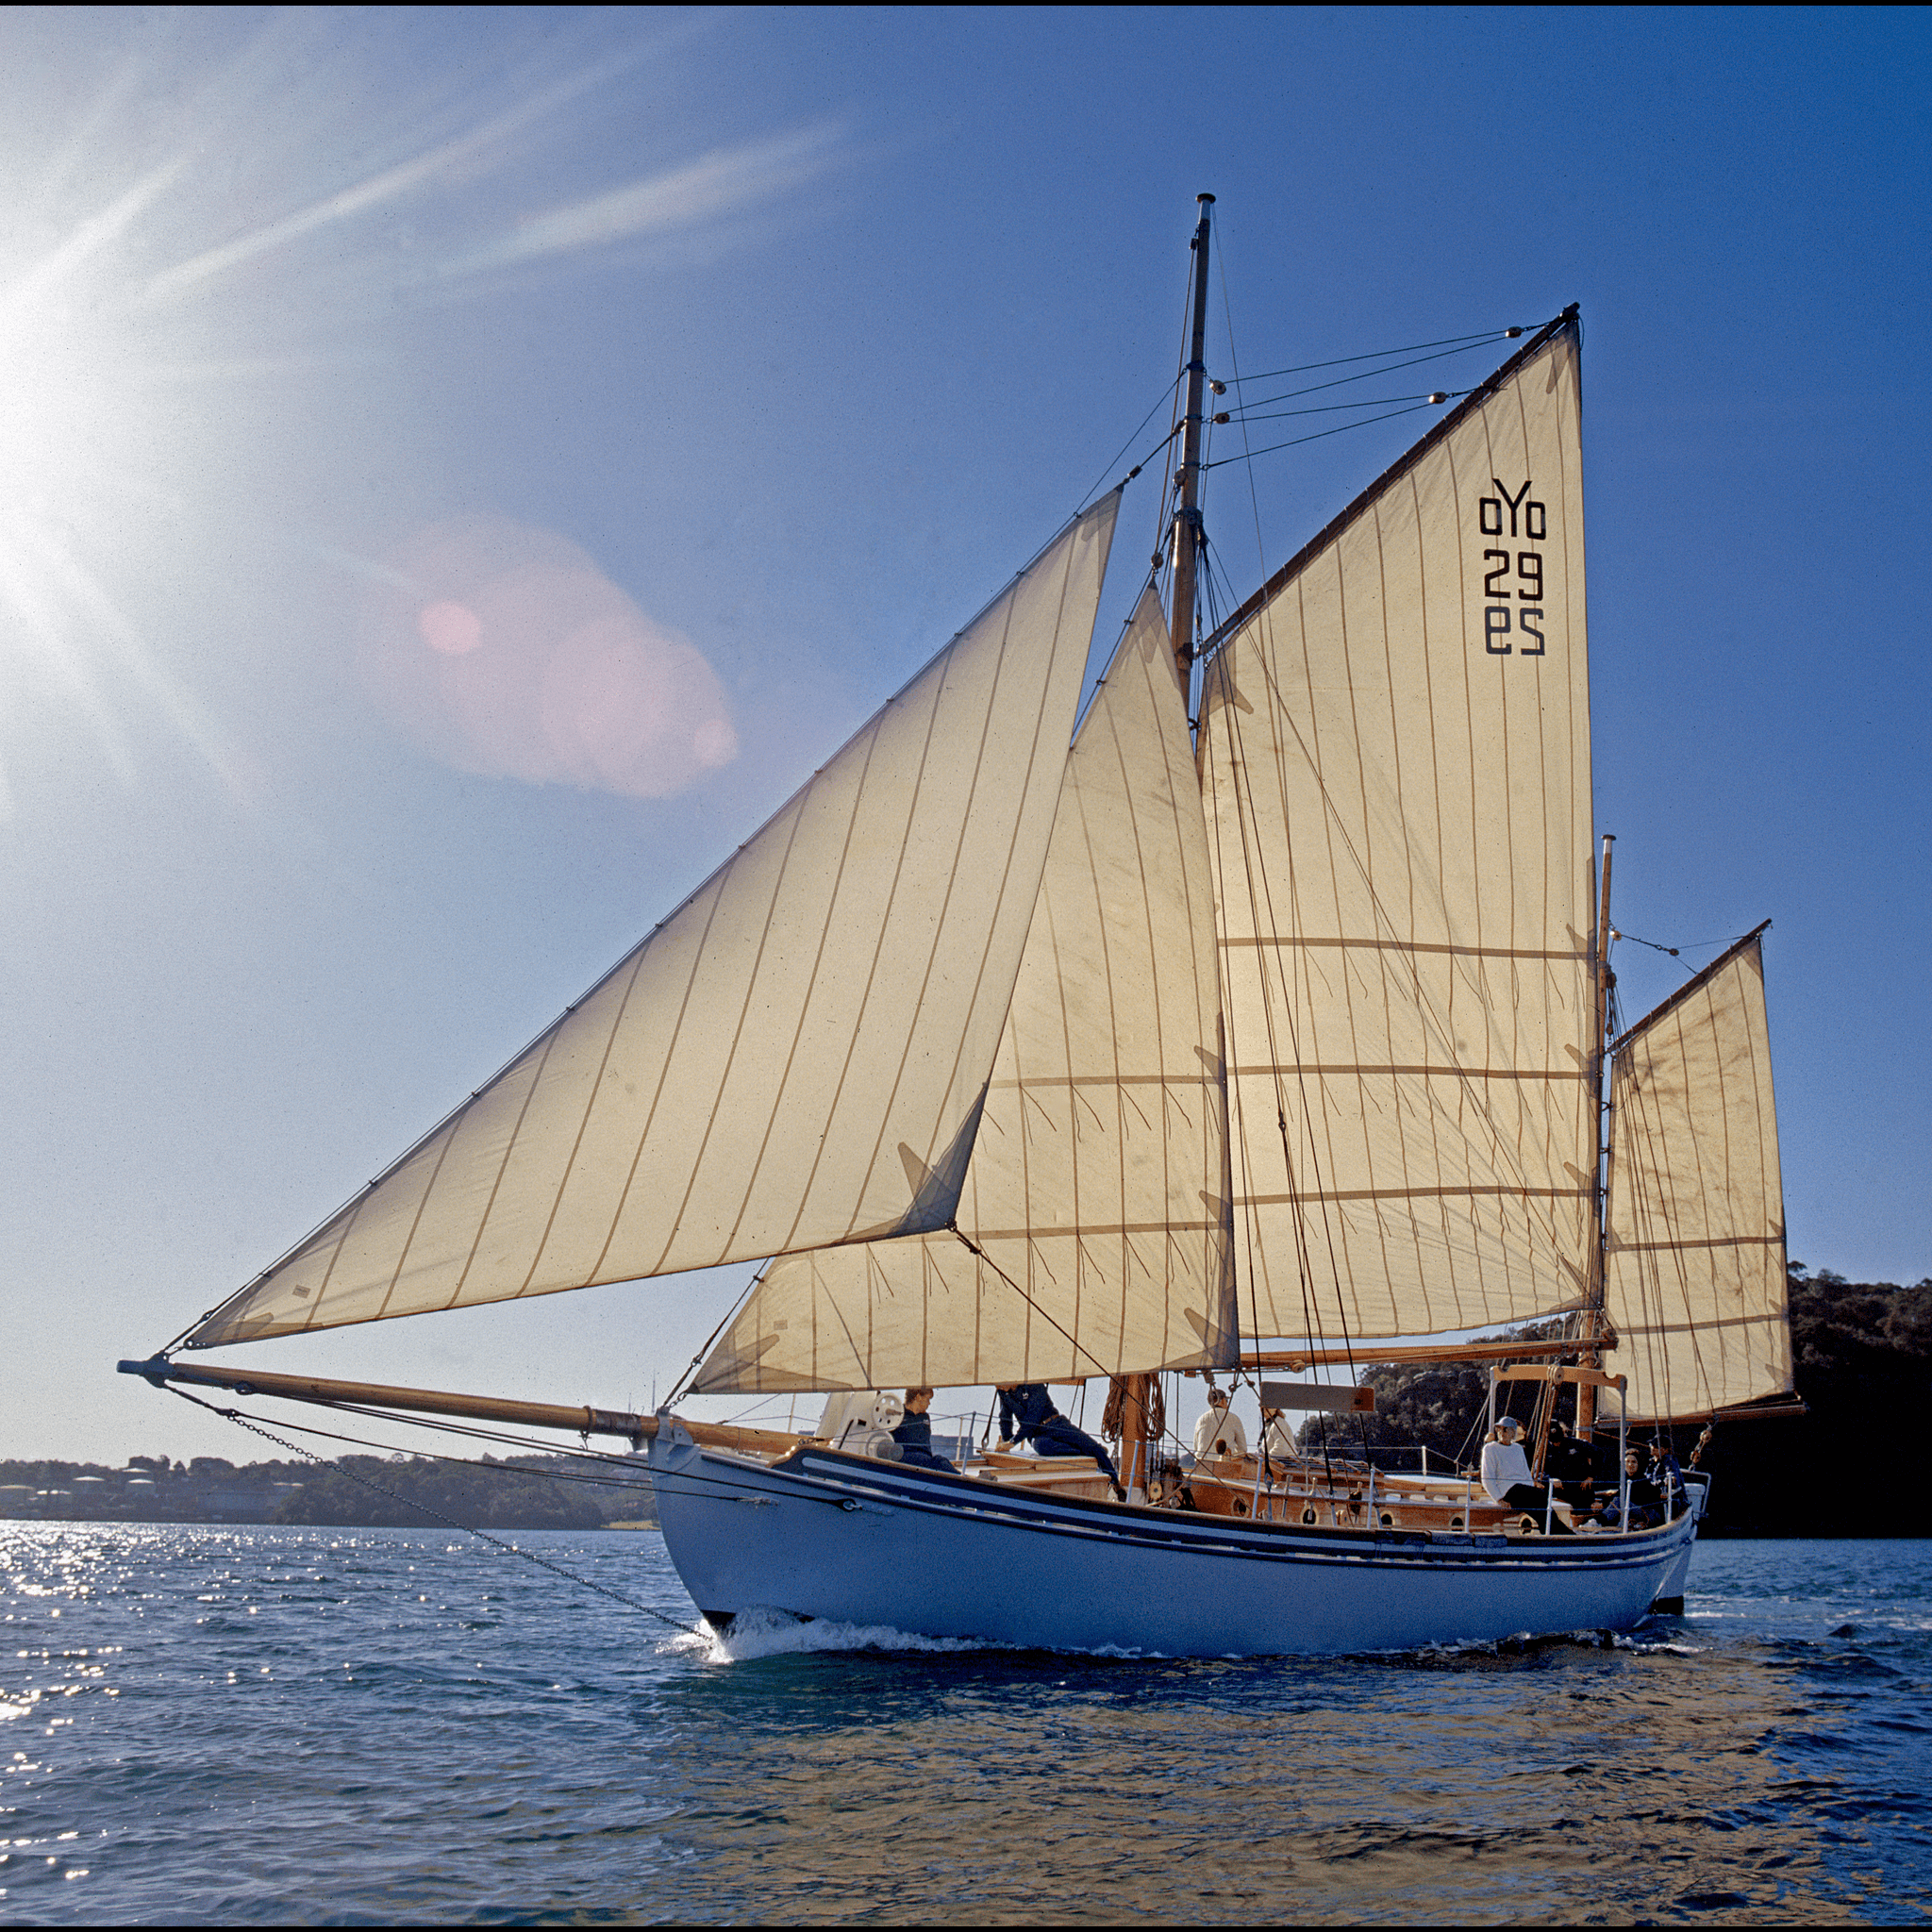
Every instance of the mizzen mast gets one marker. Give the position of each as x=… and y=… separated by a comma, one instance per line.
x=1591, y=1356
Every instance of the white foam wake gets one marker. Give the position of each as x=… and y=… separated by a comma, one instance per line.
x=757, y=1633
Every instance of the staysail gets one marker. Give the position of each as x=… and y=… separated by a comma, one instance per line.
x=1096, y=1196
x=798, y=1056
x=1694, y=1236
x=1396, y=762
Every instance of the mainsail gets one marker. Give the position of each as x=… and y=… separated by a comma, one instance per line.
x=1096, y=1197
x=1396, y=759
x=798, y=1056
x=1695, y=1226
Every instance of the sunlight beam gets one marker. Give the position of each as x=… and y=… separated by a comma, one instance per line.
x=389, y=185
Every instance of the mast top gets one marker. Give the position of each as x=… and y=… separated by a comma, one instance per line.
x=1186, y=529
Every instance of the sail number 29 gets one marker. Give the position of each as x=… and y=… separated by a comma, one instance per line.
x=1521, y=570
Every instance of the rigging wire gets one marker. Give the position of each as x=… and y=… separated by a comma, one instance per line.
x=1234, y=364
x=1360, y=376
x=1295, y=441
x=1491, y=335
x=1675, y=951
x=1439, y=396
x=973, y=1247
x=1107, y=468
x=744, y=1295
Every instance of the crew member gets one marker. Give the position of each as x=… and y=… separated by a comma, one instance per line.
x=914, y=1434
x=1669, y=1477
x=1220, y=1431
x=1568, y=1463
x=1028, y=1415
x=1506, y=1477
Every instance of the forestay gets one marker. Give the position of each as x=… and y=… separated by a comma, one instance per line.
x=1696, y=1235
x=1396, y=756
x=798, y=1056
x=1098, y=1189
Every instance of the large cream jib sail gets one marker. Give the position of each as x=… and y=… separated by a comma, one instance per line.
x=1696, y=1235
x=1096, y=1194
x=1396, y=762
x=797, y=1057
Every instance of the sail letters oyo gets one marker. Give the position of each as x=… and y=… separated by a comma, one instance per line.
x=1396, y=748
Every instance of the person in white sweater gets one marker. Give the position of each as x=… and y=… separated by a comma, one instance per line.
x=1506, y=1477
x=1219, y=1432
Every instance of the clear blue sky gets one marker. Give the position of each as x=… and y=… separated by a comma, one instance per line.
x=805, y=329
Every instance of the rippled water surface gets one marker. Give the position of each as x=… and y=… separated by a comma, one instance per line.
x=351, y=1725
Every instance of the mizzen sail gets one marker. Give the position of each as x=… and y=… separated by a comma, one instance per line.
x=1694, y=1260
x=798, y=1056
x=1396, y=762
x=1096, y=1196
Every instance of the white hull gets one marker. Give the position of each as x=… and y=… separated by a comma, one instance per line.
x=824, y=1534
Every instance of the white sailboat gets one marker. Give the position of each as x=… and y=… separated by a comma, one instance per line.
x=1213, y=1046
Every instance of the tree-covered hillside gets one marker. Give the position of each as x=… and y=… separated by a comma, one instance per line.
x=1863, y=1363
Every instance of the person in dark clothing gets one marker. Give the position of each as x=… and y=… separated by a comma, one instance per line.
x=1028, y=1415
x=1646, y=1499
x=1667, y=1477
x=914, y=1434
x=1567, y=1464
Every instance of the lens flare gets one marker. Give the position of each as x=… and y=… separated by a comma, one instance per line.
x=504, y=650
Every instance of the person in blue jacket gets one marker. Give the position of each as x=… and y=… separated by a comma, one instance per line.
x=1028, y=1415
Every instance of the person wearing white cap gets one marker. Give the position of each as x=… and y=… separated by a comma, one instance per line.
x=1506, y=1476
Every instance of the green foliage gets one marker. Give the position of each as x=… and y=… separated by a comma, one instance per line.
x=1862, y=1361
x=1861, y=1358
x=1434, y=1406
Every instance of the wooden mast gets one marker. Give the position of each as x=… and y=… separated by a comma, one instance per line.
x=1593, y=1295
x=1136, y=1445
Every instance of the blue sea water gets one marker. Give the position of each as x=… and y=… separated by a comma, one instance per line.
x=344, y=1726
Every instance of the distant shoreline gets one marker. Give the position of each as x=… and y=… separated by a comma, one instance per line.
x=352, y=1493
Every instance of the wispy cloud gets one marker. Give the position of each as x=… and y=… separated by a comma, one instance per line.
x=721, y=182
x=386, y=186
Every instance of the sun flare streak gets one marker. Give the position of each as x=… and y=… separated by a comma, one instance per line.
x=146, y=334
